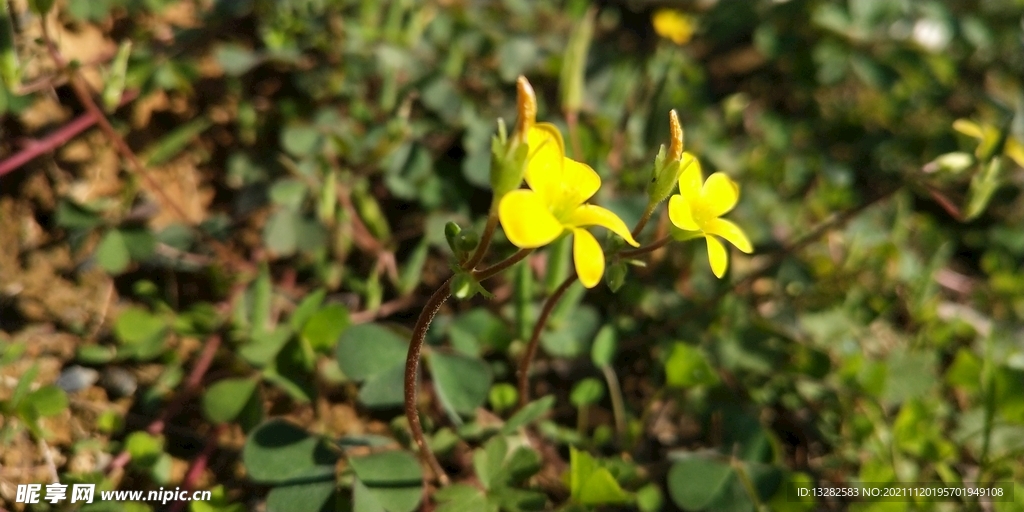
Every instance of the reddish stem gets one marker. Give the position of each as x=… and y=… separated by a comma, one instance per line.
x=35, y=148
x=197, y=467
x=538, y=328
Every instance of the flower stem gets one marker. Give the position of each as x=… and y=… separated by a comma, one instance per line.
x=658, y=244
x=531, y=348
x=501, y=266
x=412, y=362
x=644, y=218
x=485, y=240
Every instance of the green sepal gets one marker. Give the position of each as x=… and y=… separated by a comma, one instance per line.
x=508, y=163
x=465, y=286
x=615, y=276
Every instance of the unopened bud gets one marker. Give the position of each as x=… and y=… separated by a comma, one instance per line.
x=670, y=164
x=467, y=240
x=451, y=234
x=675, y=148
x=526, y=108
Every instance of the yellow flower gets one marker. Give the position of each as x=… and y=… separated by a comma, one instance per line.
x=674, y=25
x=699, y=209
x=559, y=187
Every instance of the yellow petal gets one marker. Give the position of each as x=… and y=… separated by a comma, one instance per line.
x=717, y=256
x=730, y=232
x=588, y=257
x=690, y=178
x=673, y=25
x=579, y=182
x=720, y=194
x=526, y=220
x=593, y=215
x=968, y=128
x=545, y=160
x=680, y=214
x=1015, y=151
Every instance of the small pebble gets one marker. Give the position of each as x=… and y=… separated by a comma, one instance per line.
x=76, y=378
x=118, y=382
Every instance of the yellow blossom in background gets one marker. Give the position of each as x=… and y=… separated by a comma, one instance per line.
x=698, y=209
x=674, y=25
x=555, y=203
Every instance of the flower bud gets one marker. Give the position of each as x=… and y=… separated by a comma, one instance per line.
x=675, y=148
x=467, y=240
x=526, y=109
x=451, y=233
x=669, y=165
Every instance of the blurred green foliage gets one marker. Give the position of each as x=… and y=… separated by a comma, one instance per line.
x=873, y=336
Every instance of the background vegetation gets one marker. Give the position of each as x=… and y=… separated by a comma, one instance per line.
x=231, y=309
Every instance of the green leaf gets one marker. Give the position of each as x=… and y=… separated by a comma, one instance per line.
x=280, y=452
x=463, y=498
x=587, y=391
x=393, y=478
x=515, y=55
x=74, y=216
x=175, y=142
x=235, y=59
x=141, y=243
x=488, y=461
x=48, y=400
x=292, y=370
x=694, y=483
x=140, y=332
x=503, y=396
x=461, y=382
x=531, y=412
x=602, y=352
x=10, y=68
x=306, y=309
x=325, y=327
x=112, y=252
x=687, y=367
x=412, y=271
x=144, y=447
x=301, y=140
x=289, y=193
x=649, y=498
x=384, y=389
x=114, y=82
x=281, y=233
x=592, y=484
x=965, y=371
x=909, y=374
x=264, y=346
x=478, y=330
x=305, y=497
x=224, y=400
x=41, y=7
x=366, y=350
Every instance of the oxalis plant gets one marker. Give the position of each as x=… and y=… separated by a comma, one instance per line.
x=554, y=204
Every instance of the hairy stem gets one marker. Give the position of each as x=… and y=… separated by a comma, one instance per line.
x=485, y=240
x=412, y=362
x=501, y=266
x=648, y=212
x=531, y=348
